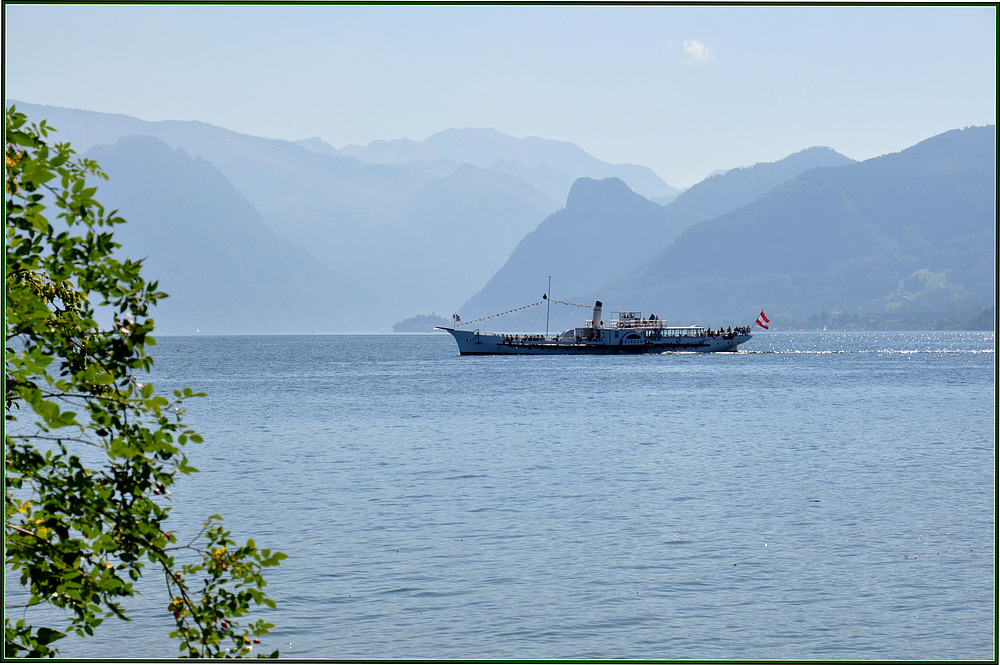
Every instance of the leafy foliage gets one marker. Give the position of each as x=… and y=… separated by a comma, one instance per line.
x=90, y=450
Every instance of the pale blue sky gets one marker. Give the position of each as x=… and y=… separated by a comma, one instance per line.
x=683, y=90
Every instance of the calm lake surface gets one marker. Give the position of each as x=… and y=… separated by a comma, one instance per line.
x=815, y=496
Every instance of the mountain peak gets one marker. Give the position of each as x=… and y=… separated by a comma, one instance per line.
x=316, y=144
x=590, y=194
x=548, y=165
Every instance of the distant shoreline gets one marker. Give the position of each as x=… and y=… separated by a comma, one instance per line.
x=442, y=333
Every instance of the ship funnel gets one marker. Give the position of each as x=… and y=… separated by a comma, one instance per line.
x=596, y=323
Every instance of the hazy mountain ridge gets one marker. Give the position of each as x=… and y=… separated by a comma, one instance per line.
x=550, y=166
x=902, y=235
x=606, y=229
x=736, y=187
x=350, y=215
x=844, y=238
x=482, y=210
x=225, y=270
x=577, y=246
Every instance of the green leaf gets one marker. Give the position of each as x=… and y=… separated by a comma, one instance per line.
x=48, y=636
x=93, y=522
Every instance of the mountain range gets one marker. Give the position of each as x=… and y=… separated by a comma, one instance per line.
x=607, y=229
x=549, y=166
x=224, y=269
x=902, y=239
x=252, y=234
x=417, y=235
x=900, y=234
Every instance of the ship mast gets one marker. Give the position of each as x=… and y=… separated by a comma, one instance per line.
x=548, y=305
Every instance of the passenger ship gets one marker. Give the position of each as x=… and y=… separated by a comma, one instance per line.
x=627, y=332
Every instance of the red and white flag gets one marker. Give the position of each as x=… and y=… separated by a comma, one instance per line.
x=763, y=317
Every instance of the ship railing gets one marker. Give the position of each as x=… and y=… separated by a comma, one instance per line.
x=668, y=333
x=528, y=338
x=657, y=324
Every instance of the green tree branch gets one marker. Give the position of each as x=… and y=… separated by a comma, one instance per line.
x=81, y=534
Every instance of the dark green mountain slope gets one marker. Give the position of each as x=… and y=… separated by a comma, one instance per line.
x=908, y=232
x=225, y=270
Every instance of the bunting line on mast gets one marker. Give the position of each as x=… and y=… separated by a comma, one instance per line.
x=493, y=316
x=571, y=304
x=459, y=323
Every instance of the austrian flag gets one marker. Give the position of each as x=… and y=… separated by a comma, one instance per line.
x=763, y=317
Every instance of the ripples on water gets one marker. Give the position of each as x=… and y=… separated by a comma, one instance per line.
x=815, y=496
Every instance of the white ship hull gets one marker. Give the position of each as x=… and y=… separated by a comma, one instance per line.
x=476, y=343
x=627, y=332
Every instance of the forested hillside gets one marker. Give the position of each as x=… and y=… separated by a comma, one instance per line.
x=907, y=234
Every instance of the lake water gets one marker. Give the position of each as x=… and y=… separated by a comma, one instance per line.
x=815, y=496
